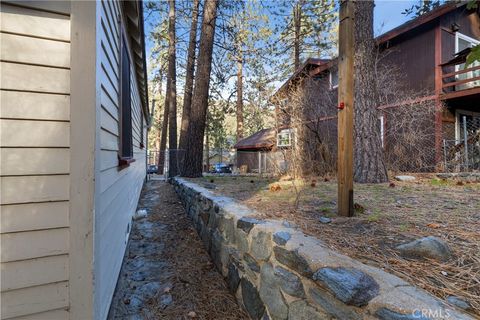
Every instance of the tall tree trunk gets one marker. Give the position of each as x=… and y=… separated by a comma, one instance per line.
x=240, y=96
x=163, y=139
x=188, y=92
x=297, y=22
x=369, y=162
x=196, y=127
x=159, y=131
x=207, y=148
x=172, y=79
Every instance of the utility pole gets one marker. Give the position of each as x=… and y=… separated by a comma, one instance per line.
x=345, y=109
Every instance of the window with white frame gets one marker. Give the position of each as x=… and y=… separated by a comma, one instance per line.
x=463, y=42
x=284, y=138
x=333, y=78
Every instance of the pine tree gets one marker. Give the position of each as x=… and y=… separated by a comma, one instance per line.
x=369, y=164
x=189, y=77
x=172, y=92
x=304, y=27
x=196, y=127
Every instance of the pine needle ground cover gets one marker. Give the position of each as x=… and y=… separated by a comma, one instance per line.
x=387, y=215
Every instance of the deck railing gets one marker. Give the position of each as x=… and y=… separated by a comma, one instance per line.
x=461, y=79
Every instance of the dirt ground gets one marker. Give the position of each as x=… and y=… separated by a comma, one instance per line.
x=166, y=273
x=387, y=215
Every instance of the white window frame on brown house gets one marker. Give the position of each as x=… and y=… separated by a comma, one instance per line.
x=282, y=135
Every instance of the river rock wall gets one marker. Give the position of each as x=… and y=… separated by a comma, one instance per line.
x=277, y=272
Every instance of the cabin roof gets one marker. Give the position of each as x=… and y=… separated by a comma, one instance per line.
x=309, y=67
x=263, y=139
x=419, y=21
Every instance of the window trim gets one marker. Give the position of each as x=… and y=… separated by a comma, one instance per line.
x=283, y=131
x=464, y=37
x=124, y=159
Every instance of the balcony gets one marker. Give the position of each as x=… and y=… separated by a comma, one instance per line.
x=458, y=81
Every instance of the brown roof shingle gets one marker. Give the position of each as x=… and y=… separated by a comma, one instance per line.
x=263, y=139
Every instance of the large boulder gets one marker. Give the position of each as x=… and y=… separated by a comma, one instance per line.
x=429, y=247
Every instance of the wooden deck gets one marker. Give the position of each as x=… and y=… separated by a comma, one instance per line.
x=462, y=82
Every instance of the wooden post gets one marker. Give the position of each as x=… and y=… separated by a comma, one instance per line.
x=345, y=110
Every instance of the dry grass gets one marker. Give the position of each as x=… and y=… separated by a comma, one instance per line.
x=197, y=285
x=386, y=216
x=185, y=268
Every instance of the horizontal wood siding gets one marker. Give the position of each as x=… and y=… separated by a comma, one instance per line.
x=35, y=159
x=17, y=274
x=34, y=216
x=30, y=105
x=59, y=314
x=119, y=188
x=34, y=299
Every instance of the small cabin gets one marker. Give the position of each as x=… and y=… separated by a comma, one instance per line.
x=74, y=115
x=263, y=151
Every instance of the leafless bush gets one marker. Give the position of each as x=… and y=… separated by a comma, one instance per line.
x=406, y=119
x=311, y=112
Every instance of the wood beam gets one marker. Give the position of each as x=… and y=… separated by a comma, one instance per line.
x=456, y=83
x=345, y=111
x=461, y=93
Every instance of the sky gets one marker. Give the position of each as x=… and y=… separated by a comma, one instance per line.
x=387, y=15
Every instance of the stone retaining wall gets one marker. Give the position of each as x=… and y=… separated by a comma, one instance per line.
x=277, y=272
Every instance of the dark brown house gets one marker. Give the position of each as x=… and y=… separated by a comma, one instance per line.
x=426, y=94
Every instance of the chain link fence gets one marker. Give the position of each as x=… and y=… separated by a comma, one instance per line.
x=463, y=153
x=261, y=162
x=407, y=136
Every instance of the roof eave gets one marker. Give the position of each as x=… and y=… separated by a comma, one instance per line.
x=135, y=28
x=321, y=66
x=414, y=23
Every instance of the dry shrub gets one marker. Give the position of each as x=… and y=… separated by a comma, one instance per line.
x=408, y=130
x=408, y=118
x=409, y=137
x=311, y=111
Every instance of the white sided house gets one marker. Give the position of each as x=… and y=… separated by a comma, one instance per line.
x=74, y=114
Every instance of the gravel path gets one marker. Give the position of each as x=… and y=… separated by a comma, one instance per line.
x=166, y=272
